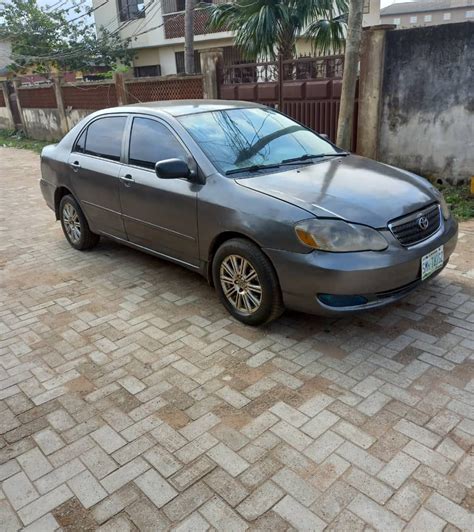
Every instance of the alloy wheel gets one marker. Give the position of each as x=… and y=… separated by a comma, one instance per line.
x=240, y=283
x=72, y=223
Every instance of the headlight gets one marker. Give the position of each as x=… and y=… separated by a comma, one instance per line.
x=444, y=207
x=339, y=236
x=442, y=203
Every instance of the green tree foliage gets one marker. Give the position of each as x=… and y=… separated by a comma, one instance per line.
x=58, y=37
x=265, y=28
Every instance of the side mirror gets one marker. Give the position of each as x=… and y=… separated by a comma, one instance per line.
x=172, y=169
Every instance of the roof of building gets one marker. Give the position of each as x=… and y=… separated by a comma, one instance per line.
x=424, y=5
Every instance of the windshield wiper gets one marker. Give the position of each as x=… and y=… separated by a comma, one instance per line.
x=307, y=156
x=252, y=168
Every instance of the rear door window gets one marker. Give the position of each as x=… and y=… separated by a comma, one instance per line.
x=151, y=142
x=104, y=137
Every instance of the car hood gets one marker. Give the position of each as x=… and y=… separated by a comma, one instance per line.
x=350, y=187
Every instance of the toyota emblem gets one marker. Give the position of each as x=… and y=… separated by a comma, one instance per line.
x=423, y=223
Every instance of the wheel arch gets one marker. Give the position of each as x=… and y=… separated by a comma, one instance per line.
x=219, y=240
x=59, y=194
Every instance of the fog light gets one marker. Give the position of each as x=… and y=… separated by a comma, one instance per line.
x=333, y=300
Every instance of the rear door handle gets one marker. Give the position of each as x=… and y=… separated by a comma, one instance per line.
x=127, y=179
x=75, y=165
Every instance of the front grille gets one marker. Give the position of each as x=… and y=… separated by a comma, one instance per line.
x=417, y=226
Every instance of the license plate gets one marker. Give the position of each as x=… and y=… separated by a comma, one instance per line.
x=432, y=262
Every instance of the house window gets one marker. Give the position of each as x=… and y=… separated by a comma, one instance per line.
x=179, y=58
x=413, y=20
x=396, y=21
x=366, y=6
x=131, y=9
x=427, y=18
x=145, y=71
x=446, y=16
x=469, y=14
x=174, y=6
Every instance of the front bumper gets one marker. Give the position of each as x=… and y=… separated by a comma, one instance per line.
x=382, y=277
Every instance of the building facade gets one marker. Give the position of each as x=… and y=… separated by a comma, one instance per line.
x=156, y=28
x=427, y=13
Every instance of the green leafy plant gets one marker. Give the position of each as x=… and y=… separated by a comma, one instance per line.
x=265, y=28
x=43, y=39
x=15, y=139
x=459, y=199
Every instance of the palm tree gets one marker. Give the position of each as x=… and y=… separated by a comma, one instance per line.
x=265, y=28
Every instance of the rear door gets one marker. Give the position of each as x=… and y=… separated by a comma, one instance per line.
x=95, y=167
x=159, y=214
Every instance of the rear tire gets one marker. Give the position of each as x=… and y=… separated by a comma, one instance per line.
x=75, y=226
x=246, y=282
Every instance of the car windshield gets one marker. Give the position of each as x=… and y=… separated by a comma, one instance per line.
x=251, y=139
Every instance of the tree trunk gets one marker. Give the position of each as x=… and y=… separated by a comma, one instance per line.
x=189, y=37
x=349, y=79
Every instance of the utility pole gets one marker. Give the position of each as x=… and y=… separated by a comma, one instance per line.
x=189, y=37
x=349, y=78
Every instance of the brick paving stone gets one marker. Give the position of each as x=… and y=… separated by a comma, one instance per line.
x=408, y=499
x=221, y=516
x=298, y=516
x=146, y=516
x=425, y=520
x=260, y=500
x=319, y=424
x=48, y=441
x=334, y=500
x=47, y=523
x=118, y=370
x=230, y=489
x=398, y=470
x=419, y=434
x=87, y=489
x=449, y=511
x=155, y=487
x=8, y=517
x=296, y=486
x=59, y=476
x=369, y=486
x=228, y=459
x=124, y=474
x=360, y=458
x=44, y=504
x=194, y=523
x=323, y=446
x=108, y=439
x=187, y=501
x=34, y=464
x=375, y=515
x=19, y=490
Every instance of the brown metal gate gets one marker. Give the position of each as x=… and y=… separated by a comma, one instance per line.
x=308, y=89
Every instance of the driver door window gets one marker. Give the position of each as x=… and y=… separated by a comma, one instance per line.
x=150, y=142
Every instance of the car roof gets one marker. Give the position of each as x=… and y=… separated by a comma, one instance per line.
x=185, y=107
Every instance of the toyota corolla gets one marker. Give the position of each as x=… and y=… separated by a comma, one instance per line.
x=271, y=213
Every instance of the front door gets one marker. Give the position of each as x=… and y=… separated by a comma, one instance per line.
x=95, y=164
x=158, y=214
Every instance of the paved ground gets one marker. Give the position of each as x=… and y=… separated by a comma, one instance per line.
x=130, y=400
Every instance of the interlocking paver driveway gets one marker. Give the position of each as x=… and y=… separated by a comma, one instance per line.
x=130, y=400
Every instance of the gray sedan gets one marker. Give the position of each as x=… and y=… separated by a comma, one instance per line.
x=271, y=213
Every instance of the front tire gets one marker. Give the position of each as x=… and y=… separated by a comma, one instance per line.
x=75, y=226
x=246, y=282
